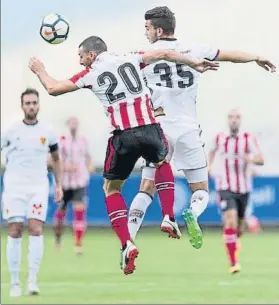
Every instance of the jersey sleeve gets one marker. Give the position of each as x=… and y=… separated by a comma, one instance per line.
x=137, y=57
x=52, y=141
x=5, y=138
x=82, y=79
x=253, y=146
x=213, y=144
x=206, y=51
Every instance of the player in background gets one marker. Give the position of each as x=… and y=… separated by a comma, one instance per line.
x=26, y=188
x=174, y=92
x=118, y=83
x=77, y=166
x=236, y=151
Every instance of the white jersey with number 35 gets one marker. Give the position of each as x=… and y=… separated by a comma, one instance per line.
x=174, y=86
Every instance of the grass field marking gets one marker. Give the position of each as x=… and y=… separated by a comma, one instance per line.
x=147, y=285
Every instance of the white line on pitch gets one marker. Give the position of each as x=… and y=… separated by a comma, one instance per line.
x=84, y=284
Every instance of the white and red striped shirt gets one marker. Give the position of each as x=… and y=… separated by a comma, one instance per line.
x=119, y=84
x=233, y=170
x=74, y=152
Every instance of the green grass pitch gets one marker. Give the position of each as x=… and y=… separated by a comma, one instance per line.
x=168, y=271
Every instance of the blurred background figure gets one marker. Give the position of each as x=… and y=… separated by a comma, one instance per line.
x=77, y=166
x=237, y=151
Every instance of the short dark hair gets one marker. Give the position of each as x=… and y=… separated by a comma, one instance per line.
x=162, y=17
x=27, y=92
x=94, y=43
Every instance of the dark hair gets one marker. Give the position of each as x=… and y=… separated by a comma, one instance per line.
x=27, y=92
x=94, y=43
x=162, y=17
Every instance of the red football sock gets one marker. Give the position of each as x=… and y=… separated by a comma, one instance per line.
x=58, y=222
x=164, y=182
x=117, y=212
x=230, y=239
x=79, y=225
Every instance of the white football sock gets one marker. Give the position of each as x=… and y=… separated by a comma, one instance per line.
x=14, y=258
x=35, y=255
x=137, y=211
x=199, y=201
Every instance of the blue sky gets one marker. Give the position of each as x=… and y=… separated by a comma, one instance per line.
x=20, y=25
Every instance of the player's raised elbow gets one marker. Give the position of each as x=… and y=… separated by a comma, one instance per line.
x=62, y=87
x=53, y=91
x=165, y=55
x=153, y=56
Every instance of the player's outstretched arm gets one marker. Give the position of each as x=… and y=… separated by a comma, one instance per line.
x=53, y=86
x=199, y=65
x=243, y=57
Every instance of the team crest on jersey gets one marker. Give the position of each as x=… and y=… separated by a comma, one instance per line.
x=43, y=140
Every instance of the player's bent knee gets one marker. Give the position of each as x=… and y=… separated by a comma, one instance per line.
x=147, y=186
x=35, y=227
x=35, y=231
x=14, y=233
x=230, y=219
x=15, y=229
x=112, y=186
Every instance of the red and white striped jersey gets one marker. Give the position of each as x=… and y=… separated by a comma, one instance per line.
x=75, y=151
x=233, y=170
x=119, y=84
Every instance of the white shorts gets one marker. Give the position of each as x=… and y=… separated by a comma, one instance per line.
x=192, y=176
x=186, y=146
x=24, y=201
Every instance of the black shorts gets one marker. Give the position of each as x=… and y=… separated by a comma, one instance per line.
x=125, y=147
x=78, y=194
x=234, y=201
